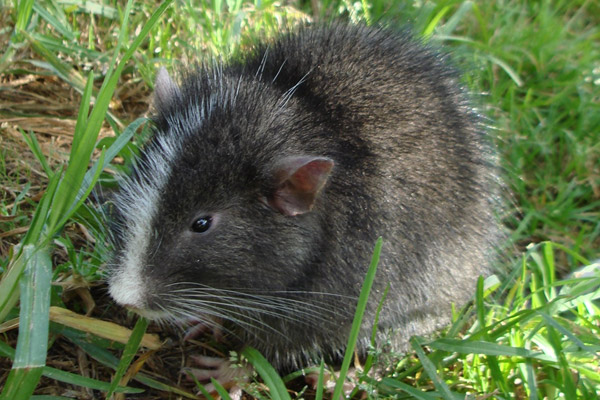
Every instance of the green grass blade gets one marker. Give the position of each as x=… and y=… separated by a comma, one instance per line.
x=92, y=175
x=35, y=148
x=479, y=304
x=456, y=18
x=267, y=373
x=320, y=379
x=32, y=344
x=202, y=389
x=414, y=392
x=369, y=361
x=434, y=22
x=98, y=353
x=9, y=288
x=6, y=350
x=567, y=385
x=530, y=380
x=76, y=170
x=35, y=303
x=90, y=383
x=96, y=8
x=120, y=40
x=60, y=26
x=492, y=361
x=106, y=358
x=128, y=353
x=70, y=378
x=551, y=322
x=507, y=68
x=223, y=393
x=549, y=268
x=481, y=347
x=21, y=383
x=64, y=71
x=82, y=115
x=576, y=256
x=430, y=369
x=41, y=212
x=24, y=9
x=358, y=316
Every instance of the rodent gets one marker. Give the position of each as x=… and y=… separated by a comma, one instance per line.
x=257, y=201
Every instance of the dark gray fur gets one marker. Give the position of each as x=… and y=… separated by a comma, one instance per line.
x=412, y=164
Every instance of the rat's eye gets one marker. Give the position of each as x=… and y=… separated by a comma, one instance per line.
x=202, y=224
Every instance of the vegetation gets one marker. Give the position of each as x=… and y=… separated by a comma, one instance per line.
x=74, y=74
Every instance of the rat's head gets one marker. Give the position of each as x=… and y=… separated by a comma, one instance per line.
x=223, y=200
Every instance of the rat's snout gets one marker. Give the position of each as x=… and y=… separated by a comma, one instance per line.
x=126, y=293
x=131, y=287
x=128, y=288
x=133, y=296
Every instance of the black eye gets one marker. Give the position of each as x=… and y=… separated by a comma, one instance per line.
x=202, y=224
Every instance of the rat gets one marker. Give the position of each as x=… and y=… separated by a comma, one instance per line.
x=255, y=205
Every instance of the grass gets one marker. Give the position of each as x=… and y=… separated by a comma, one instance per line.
x=73, y=75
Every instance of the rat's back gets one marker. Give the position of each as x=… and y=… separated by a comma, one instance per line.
x=413, y=165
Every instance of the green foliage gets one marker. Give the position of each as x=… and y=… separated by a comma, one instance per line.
x=532, y=333
x=358, y=318
x=129, y=353
x=267, y=373
x=30, y=356
x=31, y=264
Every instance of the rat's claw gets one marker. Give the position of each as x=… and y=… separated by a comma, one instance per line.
x=209, y=362
x=229, y=375
x=205, y=324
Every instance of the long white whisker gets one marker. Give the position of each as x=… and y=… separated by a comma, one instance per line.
x=250, y=322
x=283, y=308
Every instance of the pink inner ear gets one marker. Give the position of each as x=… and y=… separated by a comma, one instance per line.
x=301, y=179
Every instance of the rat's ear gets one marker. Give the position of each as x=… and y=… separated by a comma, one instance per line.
x=299, y=180
x=165, y=89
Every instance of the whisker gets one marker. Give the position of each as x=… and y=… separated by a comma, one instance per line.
x=265, y=308
x=279, y=71
x=299, y=311
x=265, y=298
x=251, y=322
x=262, y=299
x=246, y=290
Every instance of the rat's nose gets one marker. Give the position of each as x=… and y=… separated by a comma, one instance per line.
x=127, y=291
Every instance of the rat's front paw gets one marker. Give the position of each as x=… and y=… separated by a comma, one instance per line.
x=228, y=374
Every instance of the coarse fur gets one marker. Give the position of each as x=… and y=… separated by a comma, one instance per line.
x=378, y=128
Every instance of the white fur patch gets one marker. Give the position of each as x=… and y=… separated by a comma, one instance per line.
x=138, y=202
